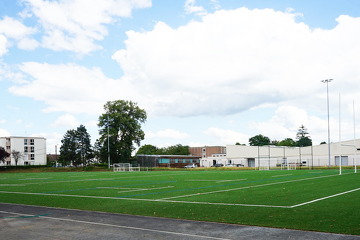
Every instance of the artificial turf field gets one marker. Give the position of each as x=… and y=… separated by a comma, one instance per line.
x=318, y=200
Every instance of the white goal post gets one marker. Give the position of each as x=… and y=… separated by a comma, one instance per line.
x=288, y=166
x=124, y=167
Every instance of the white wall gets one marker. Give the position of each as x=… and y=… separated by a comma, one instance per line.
x=310, y=156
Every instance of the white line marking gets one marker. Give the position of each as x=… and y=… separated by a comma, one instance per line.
x=147, y=189
x=134, y=189
x=25, y=179
x=255, y=186
x=231, y=180
x=120, y=226
x=173, y=201
x=147, y=200
x=199, y=180
x=98, y=179
x=227, y=204
x=282, y=175
x=319, y=199
x=12, y=185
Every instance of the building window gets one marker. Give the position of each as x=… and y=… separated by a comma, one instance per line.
x=8, y=162
x=32, y=156
x=25, y=141
x=8, y=148
x=26, y=149
x=31, y=141
x=32, y=149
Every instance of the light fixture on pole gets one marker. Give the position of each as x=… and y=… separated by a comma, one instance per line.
x=328, y=117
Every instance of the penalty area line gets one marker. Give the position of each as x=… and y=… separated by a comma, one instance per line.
x=320, y=199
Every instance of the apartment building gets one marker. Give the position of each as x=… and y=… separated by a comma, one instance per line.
x=32, y=150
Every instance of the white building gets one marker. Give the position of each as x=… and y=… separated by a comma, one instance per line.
x=32, y=150
x=274, y=156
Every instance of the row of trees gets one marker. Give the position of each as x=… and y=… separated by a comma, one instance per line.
x=302, y=136
x=171, y=150
x=259, y=140
x=119, y=130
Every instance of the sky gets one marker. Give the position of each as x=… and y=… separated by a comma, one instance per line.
x=207, y=72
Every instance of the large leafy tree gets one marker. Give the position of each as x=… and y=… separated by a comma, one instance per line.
x=76, y=147
x=259, y=140
x=120, y=129
x=3, y=154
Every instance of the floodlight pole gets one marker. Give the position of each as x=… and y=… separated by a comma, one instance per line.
x=56, y=155
x=328, y=117
x=108, y=145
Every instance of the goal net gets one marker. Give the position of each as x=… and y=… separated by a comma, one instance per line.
x=288, y=166
x=124, y=167
x=264, y=165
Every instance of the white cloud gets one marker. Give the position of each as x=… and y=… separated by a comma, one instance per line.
x=77, y=25
x=286, y=121
x=66, y=120
x=229, y=62
x=225, y=136
x=53, y=141
x=191, y=8
x=3, y=45
x=69, y=87
x=233, y=60
x=4, y=133
x=14, y=29
x=167, y=133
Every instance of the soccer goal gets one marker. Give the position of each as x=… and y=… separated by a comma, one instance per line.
x=124, y=167
x=264, y=165
x=289, y=166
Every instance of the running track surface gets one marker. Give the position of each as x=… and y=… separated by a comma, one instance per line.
x=33, y=222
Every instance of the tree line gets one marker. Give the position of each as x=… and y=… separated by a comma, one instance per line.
x=120, y=131
x=303, y=139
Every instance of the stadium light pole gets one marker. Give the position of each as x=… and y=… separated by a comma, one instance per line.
x=108, y=142
x=328, y=116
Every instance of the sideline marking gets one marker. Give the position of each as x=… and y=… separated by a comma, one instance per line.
x=119, y=226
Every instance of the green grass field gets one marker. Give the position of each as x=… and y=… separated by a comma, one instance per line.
x=318, y=200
